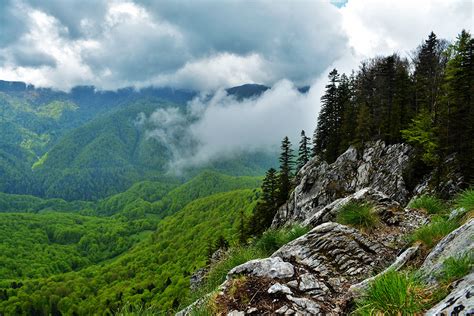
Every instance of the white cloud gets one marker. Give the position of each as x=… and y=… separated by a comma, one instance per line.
x=203, y=45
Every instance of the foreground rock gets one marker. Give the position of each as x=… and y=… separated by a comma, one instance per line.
x=458, y=242
x=313, y=274
x=380, y=166
x=459, y=302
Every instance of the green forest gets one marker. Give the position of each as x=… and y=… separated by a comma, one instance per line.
x=92, y=221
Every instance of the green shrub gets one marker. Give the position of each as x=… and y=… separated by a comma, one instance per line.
x=455, y=268
x=394, y=293
x=429, y=235
x=430, y=204
x=358, y=214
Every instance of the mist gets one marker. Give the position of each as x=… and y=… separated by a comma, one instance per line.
x=220, y=126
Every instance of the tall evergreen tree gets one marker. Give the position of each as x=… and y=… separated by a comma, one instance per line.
x=265, y=209
x=286, y=170
x=303, y=151
x=328, y=129
x=457, y=121
x=429, y=67
x=362, y=127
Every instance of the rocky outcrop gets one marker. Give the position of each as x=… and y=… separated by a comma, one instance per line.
x=459, y=302
x=313, y=274
x=379, y=166
x=458, y=242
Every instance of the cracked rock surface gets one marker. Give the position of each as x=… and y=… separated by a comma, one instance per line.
x=379, y=166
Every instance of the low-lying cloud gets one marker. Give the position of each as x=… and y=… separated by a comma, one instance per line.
x=220, y=126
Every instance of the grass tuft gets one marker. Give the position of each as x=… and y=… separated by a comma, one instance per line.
x=358, y=214
x=431, y=204
x=395, y=293
x=455, y=268
x=466, y=200
x=273, y=239
x=429, y=235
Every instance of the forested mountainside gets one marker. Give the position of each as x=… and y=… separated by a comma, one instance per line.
x=107, y=230
x=89, y=144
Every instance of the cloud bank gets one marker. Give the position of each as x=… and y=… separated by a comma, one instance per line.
x=204, y=44
x=210, y=45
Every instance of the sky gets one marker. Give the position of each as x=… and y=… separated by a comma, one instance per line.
x=208, y=45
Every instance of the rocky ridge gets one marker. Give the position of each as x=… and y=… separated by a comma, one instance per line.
x=321, y=272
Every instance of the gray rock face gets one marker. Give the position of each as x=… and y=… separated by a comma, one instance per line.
x=319, y=183
x=458, y=242
x=274, y=268
x=312, y=274
x=329, y=212
x=459, y=302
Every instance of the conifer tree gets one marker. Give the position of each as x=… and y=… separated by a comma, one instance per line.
x=458, y=107
x=303, y=151
x=286, y=170
x=327, y=132
x=362, y=127
x=265, y=209
x=429, y=67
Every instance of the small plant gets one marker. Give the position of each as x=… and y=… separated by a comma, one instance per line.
x=431, y=204
x=394, y=293
x=358, y=214
x=466, y=200
x=455, y=268
x=273, y=239
x=429, y=235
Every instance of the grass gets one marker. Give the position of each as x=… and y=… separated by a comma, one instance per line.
x=273, y=239
x=358, y=214
x=455, y=268
x=429, y=235
x=466, y=200
x=396, y=293
x=431, y=204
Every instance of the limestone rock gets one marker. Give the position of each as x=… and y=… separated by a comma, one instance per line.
x=279, y=288
x=459, y=302
x=274, y=268
x=318, y=183
x=458, y=242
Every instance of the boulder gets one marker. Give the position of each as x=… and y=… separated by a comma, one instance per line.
x=459, y=302
x=458, y=242
x=274, y=268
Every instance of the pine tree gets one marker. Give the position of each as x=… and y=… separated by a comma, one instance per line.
x=326, y=140
x=286, y=170
x=303, y=151
x=429, y=67
x=362, y=127
x=457, y=118
x=265, y=209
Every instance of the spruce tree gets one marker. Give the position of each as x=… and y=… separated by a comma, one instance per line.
x=265, y=209
x=303, y=151
x=429, y=67
x=458, y=107
x=286, y=170
x=362, y=127
x=327, y=132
